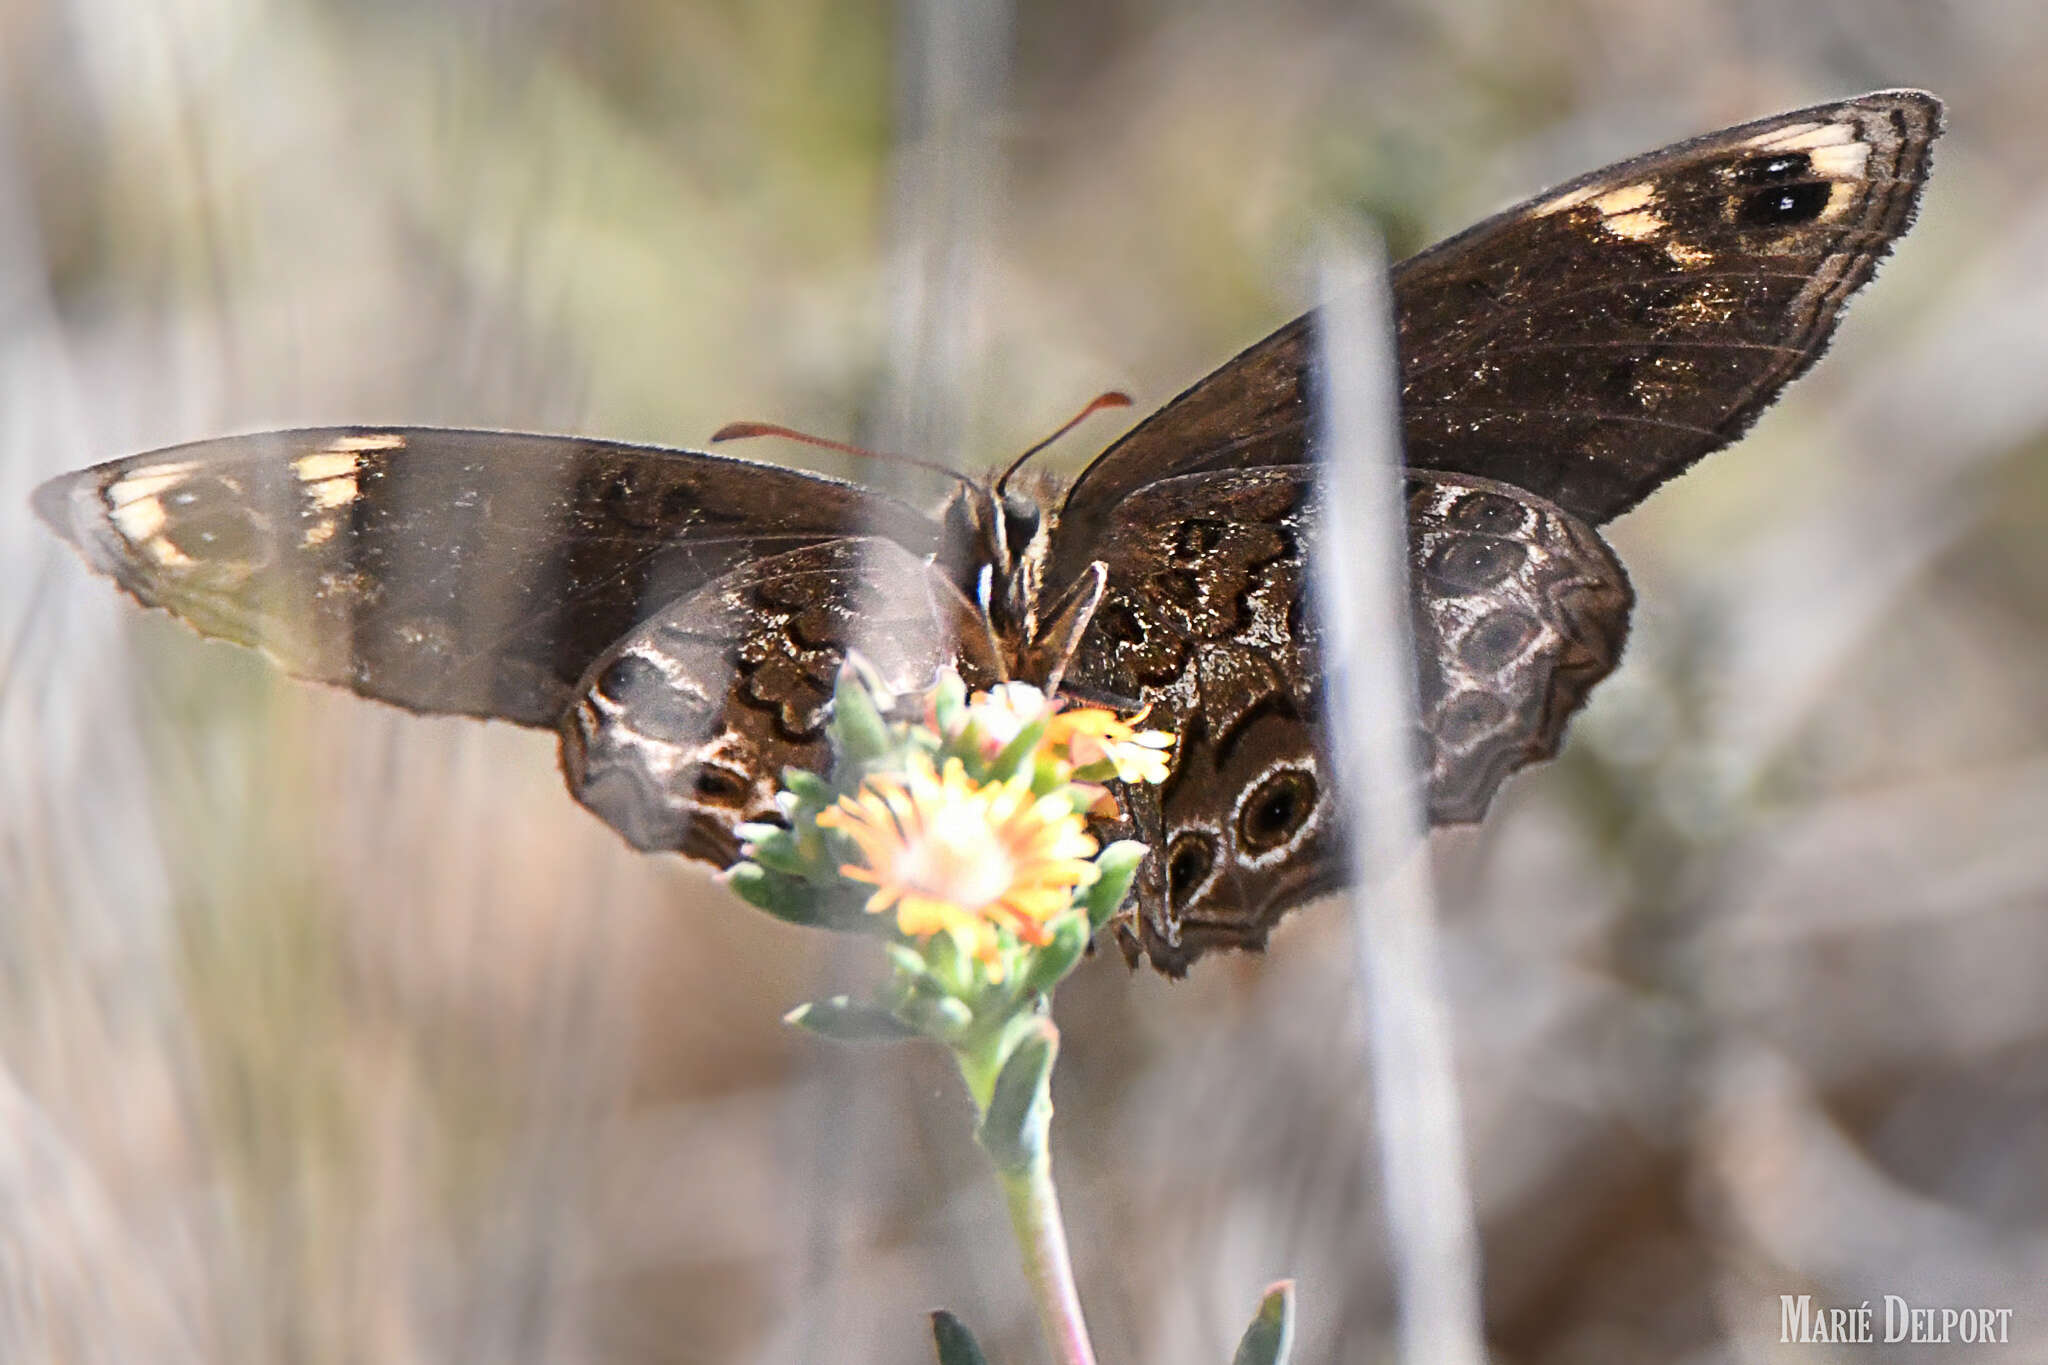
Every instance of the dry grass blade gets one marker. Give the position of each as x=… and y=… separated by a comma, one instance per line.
x=1370, y=680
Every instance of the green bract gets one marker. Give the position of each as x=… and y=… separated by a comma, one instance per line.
x=938, y=987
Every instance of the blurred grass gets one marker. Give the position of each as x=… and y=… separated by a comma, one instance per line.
x=334, y=1034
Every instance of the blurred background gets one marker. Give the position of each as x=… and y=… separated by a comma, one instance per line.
x=329, y=1033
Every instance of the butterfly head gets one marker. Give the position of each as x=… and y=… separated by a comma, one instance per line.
x=993, y=547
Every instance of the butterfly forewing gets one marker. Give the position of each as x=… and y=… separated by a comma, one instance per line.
x=1596, y=340
x=463, y=571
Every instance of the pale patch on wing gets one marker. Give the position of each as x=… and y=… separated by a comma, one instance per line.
x=380, y=440
x=325, y=464
x=135, y=508
x=1843, y=161
x=1640, y=226
x=148, y=482
x=1841, y=198
x=1569, y=200
x=1689, y=257
x=329, y=477
x=138, y=520
x=1626, y=200
x=1805, y=137
x=329, y=494
x=1628, y=211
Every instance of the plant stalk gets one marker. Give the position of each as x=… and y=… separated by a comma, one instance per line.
x=1034, y=1205
x=1008, y=1071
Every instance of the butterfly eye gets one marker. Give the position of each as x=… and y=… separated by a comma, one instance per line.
x=1188, y=867
x=1275, y=810
x=1020, y=521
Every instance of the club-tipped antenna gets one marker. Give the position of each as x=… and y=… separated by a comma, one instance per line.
x=1112, y=399
x=740, y=431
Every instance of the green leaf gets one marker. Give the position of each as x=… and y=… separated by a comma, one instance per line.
x=1013, y=1130
x=1270, y=1338
x=858, y=730
x=1048, y=775
x=810, y=788
x=775, y=848
x=781, y=895
x=947, y=964
x=1050, y=964
x=1117, y=865
x=956, y=1344
x=949, y=701
x=907, y=961
x=938, y=1016
x=1022, y=749
x=847, y=1021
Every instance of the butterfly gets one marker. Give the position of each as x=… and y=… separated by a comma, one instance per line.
x=679, y=618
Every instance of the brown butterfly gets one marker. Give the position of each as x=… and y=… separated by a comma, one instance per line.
x=679, y=617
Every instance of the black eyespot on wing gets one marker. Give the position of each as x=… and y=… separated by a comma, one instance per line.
x=1472, y=564
x=654, y=706
x=718, y=786
x=1468, y=715
x=625, y=678
x=1489, y=512
x=1496, y=640
x=1775, y=169
x=1276, y=810
x=1188, y=866
x=1778, y=206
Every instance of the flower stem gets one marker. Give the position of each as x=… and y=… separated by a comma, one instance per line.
x=1042, y=1238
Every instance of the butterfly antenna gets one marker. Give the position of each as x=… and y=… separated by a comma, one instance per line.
x=740, y=431
x=1096, y=404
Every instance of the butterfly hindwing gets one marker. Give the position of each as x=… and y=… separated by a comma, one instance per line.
x=1593, y=342
x=463, y=571
x=682, y=728
x=1519, y=608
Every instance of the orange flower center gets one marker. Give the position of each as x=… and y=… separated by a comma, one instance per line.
x=956, y=857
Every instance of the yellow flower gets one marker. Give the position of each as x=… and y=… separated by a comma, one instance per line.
x=1091, y=736
x=949, y=853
